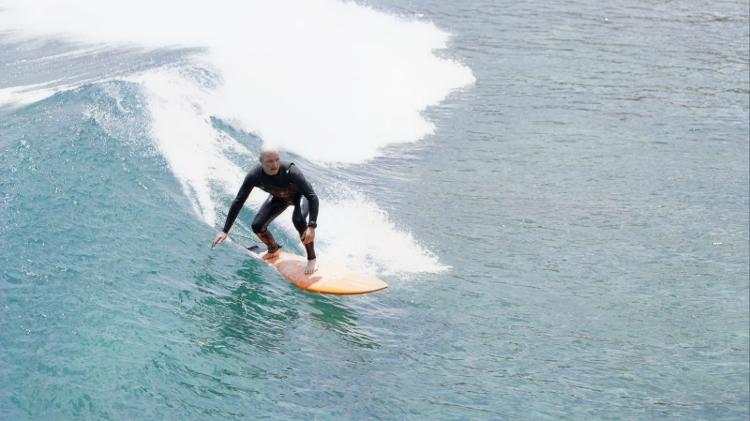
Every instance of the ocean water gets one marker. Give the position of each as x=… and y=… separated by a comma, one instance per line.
x=556, y=192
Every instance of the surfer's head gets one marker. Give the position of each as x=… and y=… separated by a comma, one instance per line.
x=270, y=160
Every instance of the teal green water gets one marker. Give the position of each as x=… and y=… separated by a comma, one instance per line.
x=589, y=192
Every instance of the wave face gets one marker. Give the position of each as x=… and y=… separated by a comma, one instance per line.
x=332, y=83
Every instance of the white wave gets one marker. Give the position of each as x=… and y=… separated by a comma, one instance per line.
x=17, y=96
x=182, y=128
x=354, y=230
x=332, y=81
x=361, y=234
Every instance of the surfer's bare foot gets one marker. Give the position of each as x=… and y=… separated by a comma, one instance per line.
x=312, y=266
x=270, y=254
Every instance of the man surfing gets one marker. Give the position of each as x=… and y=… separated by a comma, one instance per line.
x=287, y=187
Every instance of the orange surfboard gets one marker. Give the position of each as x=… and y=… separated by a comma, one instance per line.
x=328, y=279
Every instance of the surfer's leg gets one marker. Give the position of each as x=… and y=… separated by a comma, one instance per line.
x=299, y=218
x=310, y=249
x=270, y=209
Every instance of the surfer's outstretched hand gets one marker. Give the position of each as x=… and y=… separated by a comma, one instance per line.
x=219, y=239
x=308, y=236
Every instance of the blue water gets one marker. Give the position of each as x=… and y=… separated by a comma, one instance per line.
x=589, y=194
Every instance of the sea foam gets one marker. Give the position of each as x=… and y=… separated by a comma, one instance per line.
x=334, y=82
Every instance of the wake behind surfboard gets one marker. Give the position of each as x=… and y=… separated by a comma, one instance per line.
x=328, y=279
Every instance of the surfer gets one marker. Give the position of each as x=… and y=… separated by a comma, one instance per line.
x=287, y=187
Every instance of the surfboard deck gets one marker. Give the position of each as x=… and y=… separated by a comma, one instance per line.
x=328, y=279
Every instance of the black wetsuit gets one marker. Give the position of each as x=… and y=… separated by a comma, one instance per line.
x=287, y=188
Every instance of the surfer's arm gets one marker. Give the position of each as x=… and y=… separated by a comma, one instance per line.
x=239, y=201
x=306, y=189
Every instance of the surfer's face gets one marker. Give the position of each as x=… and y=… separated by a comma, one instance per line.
x=271, y=162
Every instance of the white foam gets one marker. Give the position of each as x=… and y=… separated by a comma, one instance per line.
x=361, y=234
x=332, y=81
x=17, y=96
x=181, y=126
x=355, y=231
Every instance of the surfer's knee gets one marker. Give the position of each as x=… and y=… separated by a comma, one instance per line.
x=299, y=223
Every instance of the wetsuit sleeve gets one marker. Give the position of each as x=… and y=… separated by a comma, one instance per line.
x=239, y=201
x=306, y=189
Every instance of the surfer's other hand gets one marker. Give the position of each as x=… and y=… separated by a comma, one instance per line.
x=219, y=239
x=308, y=236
